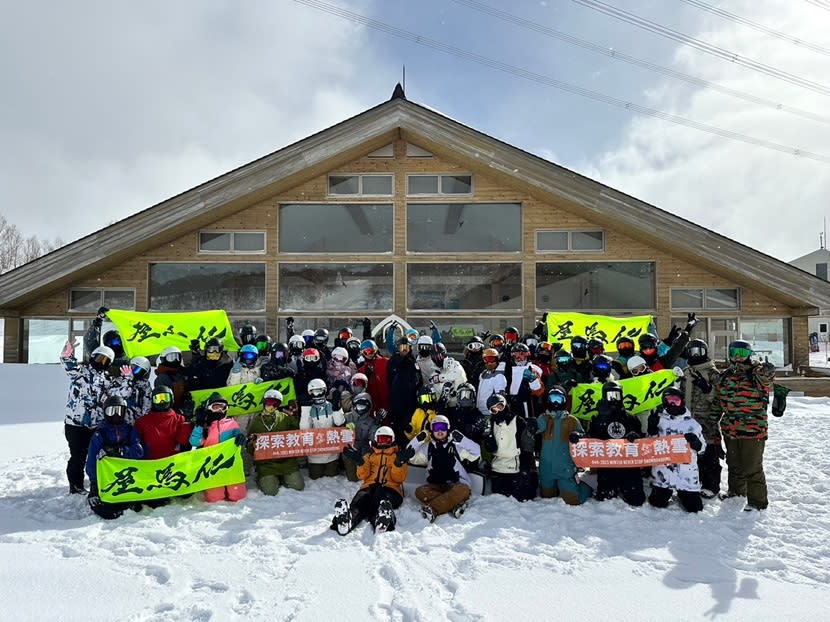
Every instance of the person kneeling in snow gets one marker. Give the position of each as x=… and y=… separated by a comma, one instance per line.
x=113, y=437
x=212, y=428
x=271, y=474
x=383, y=473
x=675, y=418
x=448, y=485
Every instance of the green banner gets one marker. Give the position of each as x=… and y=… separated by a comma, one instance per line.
x=247, y=398
x=121, y=480
x=564, y=326
x=640, y=394
x=462, y=331
x=147, y=334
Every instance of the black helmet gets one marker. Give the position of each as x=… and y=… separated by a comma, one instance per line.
x=625, y=346
x=520, y=353
x=697, y=352
x=595, y=346
x=247, y=334
x=162, y=398
x=739, y=350
x=474, y=346
x=352, y=344
x=601, y=366
x=494, y=400
x=466, y=395
x=115, y=410
x=425, y=396
x=531, y=341
x=612, y=392
x=579, y=348
x=496, y=341
x=112, y=339
x=674, y=402
x=344, y=334
x=216, y=406
x=262, y=343
x=511, y=335
x=557, y=398
x=564, y=359
x=647, y=340
x=439, y=353
x=362, y=403
x=321, y=337
x=213, y=349
x=279, y=352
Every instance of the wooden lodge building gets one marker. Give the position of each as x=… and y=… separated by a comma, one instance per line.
x=403, y=210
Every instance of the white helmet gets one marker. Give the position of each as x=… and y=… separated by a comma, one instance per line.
x=170, y=355
x=384, y=437
x=340, y=355
x=425, y=345
x=272, y=394
x=440, y=419
x=98, y=356
x=637, y=365
x=140, y=366
x=317, y=388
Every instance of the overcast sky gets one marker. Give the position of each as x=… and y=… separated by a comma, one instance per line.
x=110, y=107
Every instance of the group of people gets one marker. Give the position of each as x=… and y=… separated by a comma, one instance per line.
x=503, y=412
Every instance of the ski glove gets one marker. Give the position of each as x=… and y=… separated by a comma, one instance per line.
x=574, y=438
x=457, y=436
x=102, y=313
x=237, y=367
x=404, y=455
x=490, y=444
x=201, y=415
x=195, y=346
x=239, y=439
x=691, y=322
x=68, y=350
x=380, y=415
x=531, y=425
x=353, y=454
x=653, y=421
x=432, y=325
x=528, y=374
x=367, y=323
x=673, y=334
x=632, y=437
x=335, y=399
x=693, y=440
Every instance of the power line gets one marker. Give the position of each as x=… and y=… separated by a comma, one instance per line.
x=617, y=55
x=820, y=4
x=714, y=50
x=541, y=79
x=757, y=26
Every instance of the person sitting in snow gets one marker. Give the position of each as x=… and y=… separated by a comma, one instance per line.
x=675, y=418
x=381, y=492
x=448, y=485
x=557, y=472
x=271, y=474
x=116, y=438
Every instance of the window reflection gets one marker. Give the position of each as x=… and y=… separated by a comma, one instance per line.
x=335, y=228
x=463, y=227
x=596, y=286
x=464, y=286
x=324, y=286
x=200, y=286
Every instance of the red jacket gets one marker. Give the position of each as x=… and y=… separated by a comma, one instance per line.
x=378, y=387
x=160, y=432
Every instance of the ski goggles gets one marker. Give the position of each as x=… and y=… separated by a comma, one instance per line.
x=137, y=370
x=271, y=401
x=648, y=350
x=384, y=440
x=639, y=369
x=737, y=354
x=439, y=426
x=160, y=398
x=673, y=400
x=358, y=385
x=115, y=411
x=213, y=354
x=547, y=346
x=368, y=352
x=490, y=359
x=696, y=351
x=100, y=359
x=625, y=348
x=602, y=367
x=556, y=399
x=475, y=346
x=218, y=407
x=115, y=342
x=496, y=343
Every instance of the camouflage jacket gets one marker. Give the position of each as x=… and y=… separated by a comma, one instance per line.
x=742, y=393
x=704, y=407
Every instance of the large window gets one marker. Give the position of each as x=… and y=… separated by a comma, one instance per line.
x=570, y=241
x=43, y=340
x=464, y=286
x=88, y=300
x=464, y=227
x=335, y=228
x=770, y=339
x=595, y=286
x=708, y=298
x=360, y=185
x=231, y=241
x=335, y=287
x=201, y=286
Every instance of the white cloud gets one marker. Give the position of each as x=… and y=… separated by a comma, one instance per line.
x=768, y=200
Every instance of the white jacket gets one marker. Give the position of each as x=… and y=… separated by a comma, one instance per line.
x=321, y=416
x=678, y=476
x=246, y=375
x=506, y=458
x=488, y=383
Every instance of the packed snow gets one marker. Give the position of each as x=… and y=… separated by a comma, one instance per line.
x=275, y=558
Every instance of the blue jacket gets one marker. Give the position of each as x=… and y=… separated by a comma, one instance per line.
x=120, y=441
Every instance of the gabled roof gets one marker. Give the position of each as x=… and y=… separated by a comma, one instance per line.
x=372, y=129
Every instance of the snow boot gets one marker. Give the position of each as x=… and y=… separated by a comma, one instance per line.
x=74, y=489
x=386, y=517
x=458, y=510
x=707, y=494
x=342, y=522
x=427, y=513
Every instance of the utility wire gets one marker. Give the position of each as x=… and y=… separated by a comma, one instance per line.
x=820, y=4
x=570, y=88
x=757, y=26
x=617, y=55
x=714, y=50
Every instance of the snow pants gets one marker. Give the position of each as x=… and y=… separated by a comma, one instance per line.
x=270, y=484
x=745, y=464
x=443, y=497
x=572, y=491
x=366, y=501
x=329, y=469
x=78, y=438
x=521, y=486
x=234, y=493
x=691, y=501
x=627, y=483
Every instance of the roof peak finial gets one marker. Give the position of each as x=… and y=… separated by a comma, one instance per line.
x=398, y=92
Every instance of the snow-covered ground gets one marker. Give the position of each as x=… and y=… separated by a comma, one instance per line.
x=274, y=558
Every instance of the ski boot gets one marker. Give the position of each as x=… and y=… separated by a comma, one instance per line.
x=458, y=510
x=428, y=514
x=386, y=517
x=342, y=522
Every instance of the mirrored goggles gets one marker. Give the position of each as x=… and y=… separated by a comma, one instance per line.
x=648, y=350
x=439, y=426
x=496, y=343
x=546, y=345
x=696, y=351
x=368, y=352
x=625, y=349
x=161, y=398
x=272, y=402
x=114, y=411
x=101, y=359
x=218, y=407
x=358, y=384
x=739, y=353
x=115, y=342
x=173, y=357
x=556, y=400
x=213, y=355
x=602, y=367
x=673, y=400
x=384, y=439
x=490, y=359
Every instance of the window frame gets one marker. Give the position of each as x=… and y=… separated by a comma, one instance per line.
x=440, y=192
x=570, y=233
x=230, y=312
x=232, y=250
x=462, y=253
x=101, y=291
x=705, y=306
x=414, y=312
x=359, y=192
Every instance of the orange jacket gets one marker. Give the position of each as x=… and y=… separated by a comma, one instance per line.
x=379, y=468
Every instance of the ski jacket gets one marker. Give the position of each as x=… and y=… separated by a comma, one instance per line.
x=742, y=393
x=364, y=429
x=271, y=370
x=204, y=374
x=703, y=406
x=450, y=373
x=321, y=416
x=120, y=441
x=340, y=371
x=421, y=419
x=378, y=387
x=379, y=468
x=263, y=423
x=88, y=389
x=555, y=460
x=613, y=423
x=678, y=476
x=246, y=375
x=163, y=433
x=490, y=382
x=667, y=360
x=172, y=376
x=404, y=379
x=464, y=449
x=511, y=451
x=473, y=366
x=217, y=432
x=137, y=393
x=428, y=370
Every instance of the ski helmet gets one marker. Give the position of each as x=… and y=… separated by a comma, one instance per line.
x=425, y=396
x=263, y=343
x=308, y=336
x=496, y=341
x=369, y=349
x=595, y=346
x=438, y=423
x=612, y=392
x=625, y=346
x=532, y=342
x=140, y=367
x=511, y=335
x=601, y=366
x=273, y=398
x=496, y=404
x=362, y=403
x=171, y=356
x=411, y=336
x=321, y=337
x=697, y=352
x=311, y=356
x=637, y=365
x=466, y=394
x=579, y=348
x=739, y=351
x=439, y=353
x=344, y=334
x=161, y=399
x=317, y=389
x=557, y=398
x=353, y=345
x=101, y=357
x=359, y=382
x=112, y=339
x=248, y=355
x=115, y=410
x=474, y=345
x=564, y=360
x=544, y=351
x=214, y=349
x=648, y=344
x=247, y=334
x=296, y=345
x=383, y=438
x=279, y=353
x=339, y=355
x=520, y=353
x=425, y=346
x=674, y=402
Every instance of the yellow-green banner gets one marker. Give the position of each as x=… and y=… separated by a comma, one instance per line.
x=564, y=326
x=247, y=398
x=640, y=394
x=121, y=480
x=146, y=334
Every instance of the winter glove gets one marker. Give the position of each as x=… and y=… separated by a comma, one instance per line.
x=484, y=334
x=779, y=399
x=653, y=421
x=201, y=416
x=422, y=437
x=693, y=440
x=532, y=424
x=367, y=324
x=289, y=323
x=456, y=436
x=393, y=326
x=258, y=381
x=126, y=371
x=574, y=438
x=237, y=367
x=380, y=415
x=528, y=374
x=432, y=325
x=68, y=350
x=195, y=346
x=351, y=453
x=102, y=313
x=673, y=334
x=691, y=322
x=404, y=456
x=490, y=443
x=701, y=383
x=540, y=330
x=335, y=399
x=239, y=439
x=632, y=437
x=115, y=451
x=350, y=426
